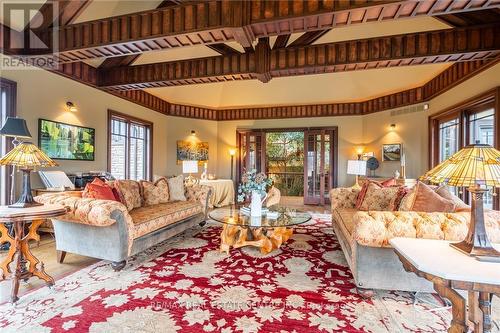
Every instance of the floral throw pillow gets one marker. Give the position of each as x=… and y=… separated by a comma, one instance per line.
x=130, y=193
x=176, y=188
x=155, y=193
x=377, y=198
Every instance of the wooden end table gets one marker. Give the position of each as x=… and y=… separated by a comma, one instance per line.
x=450, y=270
x=19, y=243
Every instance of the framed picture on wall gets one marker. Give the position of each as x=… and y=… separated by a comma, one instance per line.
x=192, y=151
x=392, y=152
x=62, y=141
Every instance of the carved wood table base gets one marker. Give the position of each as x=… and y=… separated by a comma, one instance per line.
x=19, y=249
x=20, y=263
x=265, y=239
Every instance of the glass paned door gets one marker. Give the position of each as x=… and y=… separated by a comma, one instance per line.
x=251, y=152
x=318, y=166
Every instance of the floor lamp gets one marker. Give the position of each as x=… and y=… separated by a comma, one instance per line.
x=232, y=152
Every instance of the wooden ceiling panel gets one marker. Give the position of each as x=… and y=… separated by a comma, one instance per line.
x=461, y=44
x=213, y=21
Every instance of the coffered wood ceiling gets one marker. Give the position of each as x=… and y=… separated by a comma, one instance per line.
x=225, y=41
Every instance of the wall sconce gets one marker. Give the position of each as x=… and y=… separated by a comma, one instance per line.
x=392, y=127
x=71, y=107
x=193, y=132
x=426, y=106
x=359, y=151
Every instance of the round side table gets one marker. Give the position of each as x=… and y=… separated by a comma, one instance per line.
x=19, y=243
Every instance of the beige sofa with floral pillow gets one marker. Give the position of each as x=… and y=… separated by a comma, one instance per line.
x=114, y=231
x=364, y=237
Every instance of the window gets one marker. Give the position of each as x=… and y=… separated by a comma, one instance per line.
x=129, y=147
x=7, y=109
x=471, y=122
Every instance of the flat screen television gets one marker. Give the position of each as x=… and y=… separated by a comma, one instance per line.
x=62, y=141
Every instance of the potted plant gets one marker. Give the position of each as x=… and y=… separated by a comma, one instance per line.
x=254, y=185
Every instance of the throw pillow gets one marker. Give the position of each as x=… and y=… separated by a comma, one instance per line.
x=176, y=188
x=427, y=200
x=445, y=193
x=407, y=201
x=130, y=193
x=389, y=182
x=155, y=193
x=362, y=192
x=378, y=198
x=398, y=198
x=98, y=189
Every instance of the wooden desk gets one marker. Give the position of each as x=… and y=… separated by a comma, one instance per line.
x=19, y=250
x=450, y=270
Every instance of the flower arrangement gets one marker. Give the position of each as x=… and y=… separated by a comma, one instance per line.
x=253, y=181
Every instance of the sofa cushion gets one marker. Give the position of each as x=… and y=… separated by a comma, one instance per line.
x=344, y=219
x=427, y=200
x=98, y=189
x=130, y=193
x=150, y=218
x=176, y=188
x=377, y=198
x=445, y=193
x=155, y=193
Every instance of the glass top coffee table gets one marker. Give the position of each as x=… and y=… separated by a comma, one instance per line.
x=267, y=232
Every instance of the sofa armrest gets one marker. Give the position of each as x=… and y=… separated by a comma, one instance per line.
x=376, y=228
x=343, y=197
x=199, y=193
x=85, y=211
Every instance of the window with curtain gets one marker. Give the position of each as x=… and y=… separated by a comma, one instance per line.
x=468, y=123
x=129, y=147
x=8, y=91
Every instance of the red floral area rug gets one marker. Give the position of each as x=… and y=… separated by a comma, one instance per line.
x=186, y=285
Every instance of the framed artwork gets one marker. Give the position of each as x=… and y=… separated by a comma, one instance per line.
x=192, y=151
x=392, y=152
x=62, y=141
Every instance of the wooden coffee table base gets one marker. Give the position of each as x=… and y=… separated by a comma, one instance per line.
x=265, y=239
x=19, y=251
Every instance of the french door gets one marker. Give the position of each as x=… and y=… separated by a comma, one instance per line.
x=319, y=173
x=320, y=154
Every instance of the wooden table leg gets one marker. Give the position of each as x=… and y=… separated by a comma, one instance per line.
x=474, y=313
x=5, y=264
x=485, y=306
x=34, y=270
x=458, y=308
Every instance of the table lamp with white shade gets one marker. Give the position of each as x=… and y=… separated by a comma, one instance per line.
x=358, y=168
x=190, y=167
x=477, y=167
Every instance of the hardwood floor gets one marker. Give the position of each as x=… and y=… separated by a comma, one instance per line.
x=46, y=250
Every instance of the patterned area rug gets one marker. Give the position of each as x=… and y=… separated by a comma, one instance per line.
x=186, y=285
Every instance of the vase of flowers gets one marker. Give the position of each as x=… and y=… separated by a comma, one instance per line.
x=253, y=186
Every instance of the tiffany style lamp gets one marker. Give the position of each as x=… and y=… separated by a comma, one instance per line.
x=26, y=156
x=477, y=167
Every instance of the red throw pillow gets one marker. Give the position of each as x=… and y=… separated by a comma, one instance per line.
x=362, y=192
x=389, y=182
x=98, y=189
x=427, y=200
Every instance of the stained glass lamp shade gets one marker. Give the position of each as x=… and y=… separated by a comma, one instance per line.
x=475, y=166
x=26, y=156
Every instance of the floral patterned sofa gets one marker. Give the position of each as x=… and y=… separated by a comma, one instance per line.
x=107, y=230
x=364, y=237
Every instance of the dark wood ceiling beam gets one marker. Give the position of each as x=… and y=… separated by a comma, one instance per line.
x=308, y=38
x=450, y=45
x=213, y=22
x=281, y=41
x=223, y=49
